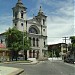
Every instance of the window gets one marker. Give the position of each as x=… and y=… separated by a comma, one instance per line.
x=64, y=51
x=44, y=43
x=43, y=22
x=21, y=14
x=15, y=15
x=37, y=42
x=43, y=29
x=15, y=24
x=33, y=30
x=21, y=24
x=1, y=41
x=33, y=41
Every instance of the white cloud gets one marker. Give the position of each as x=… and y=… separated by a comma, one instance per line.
x=60, y=20
x=59, y=27
x=5, y=23
x=69, y=11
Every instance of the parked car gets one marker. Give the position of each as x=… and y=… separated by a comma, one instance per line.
x=69, y=60
x=20, y=57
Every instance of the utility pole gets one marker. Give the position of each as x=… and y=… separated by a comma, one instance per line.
x=23, y=43
x=65, y=38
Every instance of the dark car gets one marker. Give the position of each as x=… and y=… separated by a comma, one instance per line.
x=69, y=60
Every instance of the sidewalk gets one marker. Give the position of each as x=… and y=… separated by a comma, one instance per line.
x=15, y=71
x=73, y=65
x=55, y=59
x=10, y=70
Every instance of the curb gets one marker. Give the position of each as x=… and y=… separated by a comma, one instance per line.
x=13, y=62
x=18, y=72
x=32, y=63
x=29, y=63
x=72, y=65
x=11, y=70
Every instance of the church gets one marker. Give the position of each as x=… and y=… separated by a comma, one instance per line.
x=36, y=29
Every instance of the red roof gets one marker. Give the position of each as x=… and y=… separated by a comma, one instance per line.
x=2, y=46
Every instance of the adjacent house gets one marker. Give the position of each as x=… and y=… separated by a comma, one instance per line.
x=4, y=52
x=62, y=48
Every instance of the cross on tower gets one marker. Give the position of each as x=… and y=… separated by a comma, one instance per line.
x=19, y=1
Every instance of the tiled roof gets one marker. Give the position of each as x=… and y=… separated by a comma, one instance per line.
x=2, y=46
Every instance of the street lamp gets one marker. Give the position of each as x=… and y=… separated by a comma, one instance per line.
x=24, y=37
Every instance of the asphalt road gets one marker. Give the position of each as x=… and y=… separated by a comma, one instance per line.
x=46, y=68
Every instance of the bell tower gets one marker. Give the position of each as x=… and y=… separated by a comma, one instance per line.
x=41, y=17
x=19, y=16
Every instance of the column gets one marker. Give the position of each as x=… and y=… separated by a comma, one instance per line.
x=31, y=41
x=32, y=53
x=35, y=43
x=41, y=47
x=37, y=54
x=27, y=53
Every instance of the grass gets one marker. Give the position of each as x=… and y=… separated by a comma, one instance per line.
x=20, y=61
x=23, y=61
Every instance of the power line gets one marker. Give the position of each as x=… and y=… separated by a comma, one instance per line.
x=65, y=38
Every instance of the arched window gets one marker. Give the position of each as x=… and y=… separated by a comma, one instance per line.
x=21, y=24
x=21, y=14
x=43, y=22
x=15, y=24
x=33, y=41
x=44, y=43
x=15, y=15
x=1, y=41
x=37, y=42
x=33, y=53
x=33, y=30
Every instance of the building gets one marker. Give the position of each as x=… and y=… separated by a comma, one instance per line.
x=62, y=47
x=35, y=28
x=4, y=52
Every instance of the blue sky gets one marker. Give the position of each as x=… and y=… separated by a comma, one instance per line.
x=60, y=21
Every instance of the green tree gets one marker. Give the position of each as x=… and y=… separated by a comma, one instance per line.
x=26, y=45
x=14, y=40
x=56, y=51
x=73, y=42
x=72, y=39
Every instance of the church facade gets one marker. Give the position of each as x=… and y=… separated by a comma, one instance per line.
x=36, y=29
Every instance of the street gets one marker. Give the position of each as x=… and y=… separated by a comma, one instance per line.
x=46, y=68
